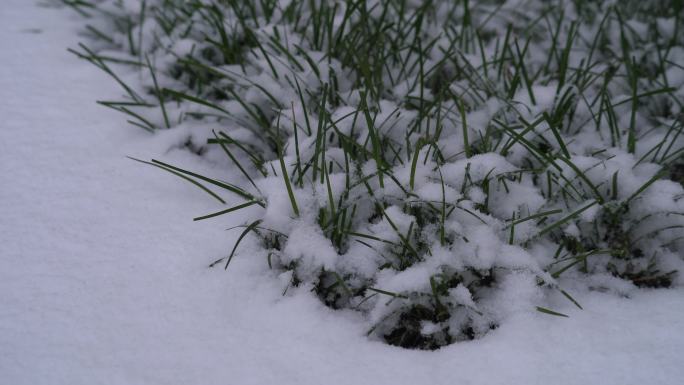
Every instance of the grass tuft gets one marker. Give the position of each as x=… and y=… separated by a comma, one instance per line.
x=438, y=151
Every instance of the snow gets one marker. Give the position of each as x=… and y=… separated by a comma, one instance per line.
x=104, y=276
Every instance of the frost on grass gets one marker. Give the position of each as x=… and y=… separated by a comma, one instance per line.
x=434, y=165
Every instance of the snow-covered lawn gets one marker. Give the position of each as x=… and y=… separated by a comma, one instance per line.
x=104, y=278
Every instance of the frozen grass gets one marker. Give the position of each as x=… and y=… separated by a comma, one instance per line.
x=435, y=165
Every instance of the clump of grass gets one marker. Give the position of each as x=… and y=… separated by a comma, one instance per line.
x=433, y=156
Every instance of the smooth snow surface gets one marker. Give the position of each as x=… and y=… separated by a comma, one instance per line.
x=104, y=276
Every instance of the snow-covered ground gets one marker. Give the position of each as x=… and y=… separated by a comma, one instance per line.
x=104, y=277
